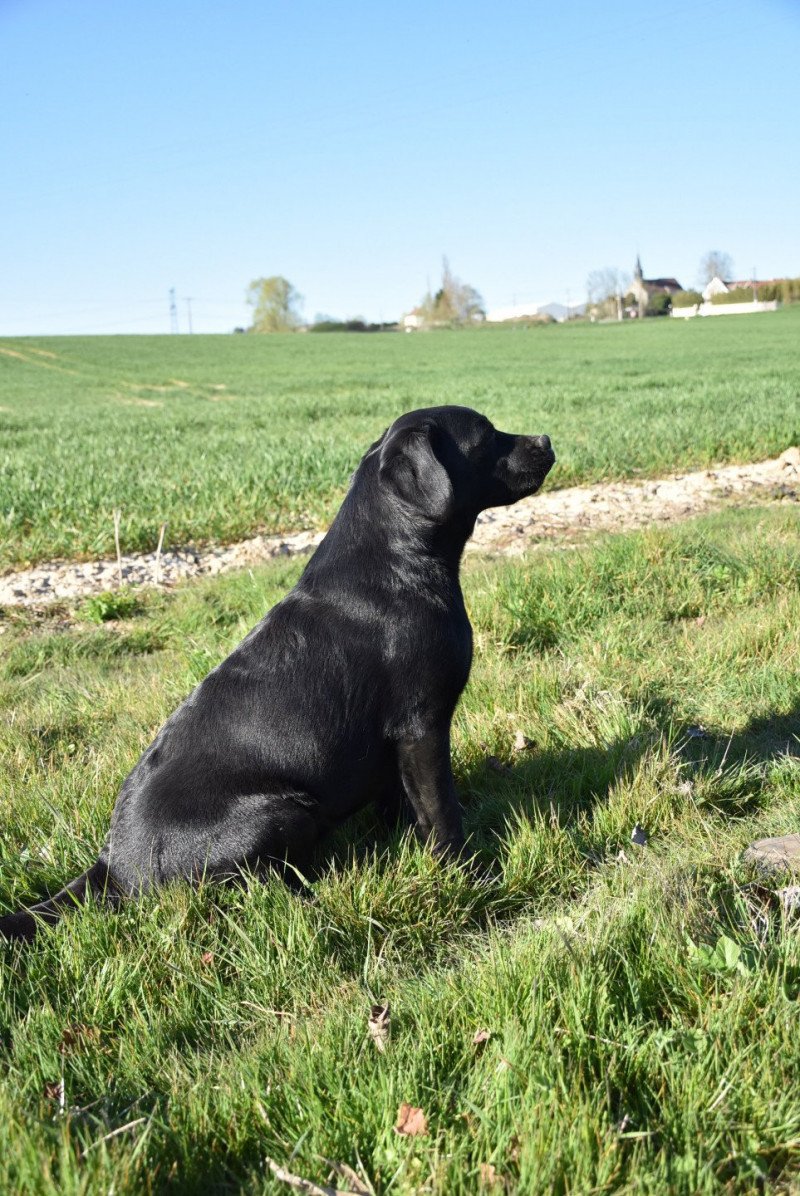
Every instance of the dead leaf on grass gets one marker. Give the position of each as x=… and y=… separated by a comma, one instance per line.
x=522, y=743
x=75, y=1036
x=207, y=958
x=54, y=1091
x=379, y=1026
x=411, y=1121
x=480, y=1037
x=489, y=1175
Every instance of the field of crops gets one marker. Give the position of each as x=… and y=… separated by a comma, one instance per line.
x=602, y=1016
x=596, y=1014
x=222, y=436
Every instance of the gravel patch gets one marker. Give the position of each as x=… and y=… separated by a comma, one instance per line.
x=556, y=514
x=622, y=506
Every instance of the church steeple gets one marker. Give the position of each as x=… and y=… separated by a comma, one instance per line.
x=637, y=273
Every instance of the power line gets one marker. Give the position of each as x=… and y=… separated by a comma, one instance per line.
x=173, y=312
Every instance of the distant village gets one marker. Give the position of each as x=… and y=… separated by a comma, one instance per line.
x=611, y=296
x=634, y=299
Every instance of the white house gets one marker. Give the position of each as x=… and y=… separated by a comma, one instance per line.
x=716, y=287
x=412, y=320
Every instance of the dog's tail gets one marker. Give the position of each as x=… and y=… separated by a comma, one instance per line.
x=94, y=882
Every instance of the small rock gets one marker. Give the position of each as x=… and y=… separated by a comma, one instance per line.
x=781, y=854
x=790, y=900
x=639, y=836
x=497, y=765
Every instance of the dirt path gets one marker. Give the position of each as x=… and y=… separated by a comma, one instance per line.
x=556, y=514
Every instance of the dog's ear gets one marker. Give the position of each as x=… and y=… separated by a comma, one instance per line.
x=410, y=464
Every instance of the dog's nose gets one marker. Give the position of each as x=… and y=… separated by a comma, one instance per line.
x=543, y=442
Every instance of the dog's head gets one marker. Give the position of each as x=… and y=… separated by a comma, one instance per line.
x=447, y=462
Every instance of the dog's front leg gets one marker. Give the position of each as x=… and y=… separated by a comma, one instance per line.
x=428, y=781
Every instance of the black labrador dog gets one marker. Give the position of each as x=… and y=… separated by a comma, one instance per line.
x=344, y=692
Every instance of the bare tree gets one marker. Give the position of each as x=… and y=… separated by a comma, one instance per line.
x=275, y=304
x=604, y=291
x=455, y=303
x=715, y=264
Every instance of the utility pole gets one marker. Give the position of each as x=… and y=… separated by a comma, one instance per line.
x=189, y=313
x=173, y=311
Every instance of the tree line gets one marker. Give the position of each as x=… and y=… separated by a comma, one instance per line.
x=277, y=307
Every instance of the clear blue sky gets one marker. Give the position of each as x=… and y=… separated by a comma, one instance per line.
x=199, y=145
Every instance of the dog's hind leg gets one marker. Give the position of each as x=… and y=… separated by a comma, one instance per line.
x=283, y=838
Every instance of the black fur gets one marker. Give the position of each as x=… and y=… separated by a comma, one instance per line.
x=344, y=692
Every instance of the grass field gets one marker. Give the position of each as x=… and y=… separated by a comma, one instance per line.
x=642, y=1002
x=222, y=436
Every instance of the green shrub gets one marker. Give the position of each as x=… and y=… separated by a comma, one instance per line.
x=355, y=325
x=785, y=290
x=659, y=304
x=116, y=604
x=737, y=295
x=686, y=298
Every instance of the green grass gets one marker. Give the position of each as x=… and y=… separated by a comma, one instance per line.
x=222, y=436
x=642, y=1006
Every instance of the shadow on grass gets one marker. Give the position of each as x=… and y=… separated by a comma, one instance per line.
x=567, y=783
